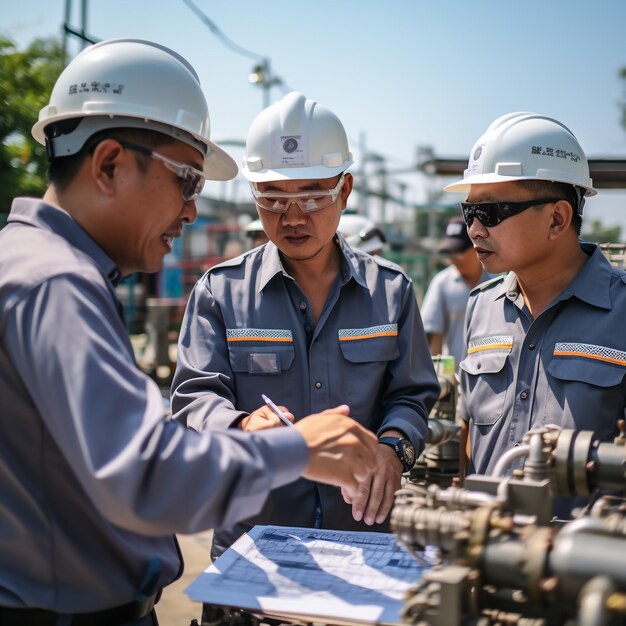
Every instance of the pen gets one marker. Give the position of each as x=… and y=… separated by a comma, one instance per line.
x=276, y=410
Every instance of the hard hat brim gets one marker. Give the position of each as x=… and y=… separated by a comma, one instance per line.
x=219, y=165
x=319, y=172
x=463, y=185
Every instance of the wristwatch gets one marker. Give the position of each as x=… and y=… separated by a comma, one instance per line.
x=403, y=448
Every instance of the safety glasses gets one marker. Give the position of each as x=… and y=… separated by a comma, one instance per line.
x=308, y=201
x=492, y=213
x=192, y=179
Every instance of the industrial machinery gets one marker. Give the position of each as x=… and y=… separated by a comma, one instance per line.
x=504, y=559
x=439, y=463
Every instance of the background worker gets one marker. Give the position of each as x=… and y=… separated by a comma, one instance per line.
x=255, y=233
x=307, y=320
x=360, y=232
x=445, y=301
x=94, y=480
x=546, y=343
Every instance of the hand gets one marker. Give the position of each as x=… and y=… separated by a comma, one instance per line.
x=341, y=451
x=263, y=418
x=374, y=501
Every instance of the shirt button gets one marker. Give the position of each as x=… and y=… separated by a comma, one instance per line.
x=303, y=305
x=531, y=346
x=478, y=366
x=523, y=395
x=318, y=385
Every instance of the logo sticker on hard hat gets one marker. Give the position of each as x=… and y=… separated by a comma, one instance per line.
x=290, y=150
x=475, y=164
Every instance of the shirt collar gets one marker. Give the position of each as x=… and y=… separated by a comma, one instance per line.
x=272, y=264
x=33, y=212
x=591, y=284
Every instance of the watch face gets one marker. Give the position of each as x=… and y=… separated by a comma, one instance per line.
x=408, y=452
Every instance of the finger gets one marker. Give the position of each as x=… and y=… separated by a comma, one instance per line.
x=343, y=409
x=359, y=500
x=287, y=413
x=346, y=496
x=377, y=492
x=387, y=502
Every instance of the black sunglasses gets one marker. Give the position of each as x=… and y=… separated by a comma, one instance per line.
x=492, y=213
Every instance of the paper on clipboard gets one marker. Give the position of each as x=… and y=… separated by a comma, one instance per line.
x=312, y=574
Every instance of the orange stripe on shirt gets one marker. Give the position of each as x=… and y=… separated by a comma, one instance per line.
x=491, y=346
x=584, y=355
x=387, y=334
x=270, y=339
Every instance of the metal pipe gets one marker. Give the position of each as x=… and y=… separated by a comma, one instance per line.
x=508, y=457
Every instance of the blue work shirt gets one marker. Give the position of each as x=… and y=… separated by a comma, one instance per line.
x=247, y=331
x=566, y=367
x=443, y=310
x=93, y=479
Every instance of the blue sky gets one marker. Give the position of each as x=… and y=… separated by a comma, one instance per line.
x=400, y=74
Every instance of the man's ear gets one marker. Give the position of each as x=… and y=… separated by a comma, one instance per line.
x=348, y=182
x=106, y=161
x=561, y=218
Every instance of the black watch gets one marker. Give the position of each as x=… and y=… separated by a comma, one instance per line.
x=403, y=448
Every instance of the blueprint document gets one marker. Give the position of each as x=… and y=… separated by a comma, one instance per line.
x=312, y=575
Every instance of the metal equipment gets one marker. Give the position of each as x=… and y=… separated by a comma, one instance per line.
x=504, y=559
x=439, y=463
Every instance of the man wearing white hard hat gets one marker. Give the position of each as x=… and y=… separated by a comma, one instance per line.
x=546, y=343
x=307, y=320
x=360, y=232
x=254, y=231
x=94, y=479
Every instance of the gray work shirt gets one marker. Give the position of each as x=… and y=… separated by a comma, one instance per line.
x=93, y=479
x=443, y=309
x=565, y=367
x=247, y=331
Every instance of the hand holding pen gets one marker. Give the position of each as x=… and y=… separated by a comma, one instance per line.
x=265, y=417
x=283, y=418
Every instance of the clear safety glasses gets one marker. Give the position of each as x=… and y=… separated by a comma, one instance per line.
x=192, y=179
x=308, y=201
x=490, y=214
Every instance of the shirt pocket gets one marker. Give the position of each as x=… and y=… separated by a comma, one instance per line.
x=586, y=387
x=260, y=351
x=369, y=345
x=487, y=369
x=595, y=365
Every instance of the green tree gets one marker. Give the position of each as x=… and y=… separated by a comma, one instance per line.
x=26, y=80
x=598, y=233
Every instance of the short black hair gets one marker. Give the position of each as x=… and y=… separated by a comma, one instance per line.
x=62, y=170
x=569, y=193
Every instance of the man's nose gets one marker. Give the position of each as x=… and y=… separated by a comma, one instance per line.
x=294, y=214
x=476, y=229
x=189, y=212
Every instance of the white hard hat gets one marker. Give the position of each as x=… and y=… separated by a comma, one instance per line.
x=360, y=232
x=255, y=226
x=295, y=139
x=130, y=83
x=526, y=146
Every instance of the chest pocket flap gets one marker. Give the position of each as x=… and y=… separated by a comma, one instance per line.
x=596, y=365
x=260, y=351
x=364, y=345
x=487, y=355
